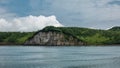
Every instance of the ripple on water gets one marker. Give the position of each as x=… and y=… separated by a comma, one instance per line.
x=59, y=57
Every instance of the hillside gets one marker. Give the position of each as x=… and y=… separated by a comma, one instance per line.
x=86, y=35
x=75, y=35
x=14, y=37
x=117, y=28
x=53, y=37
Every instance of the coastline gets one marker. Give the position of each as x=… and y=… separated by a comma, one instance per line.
x=58, y=45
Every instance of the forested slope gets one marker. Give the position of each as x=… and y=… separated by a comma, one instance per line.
x=89, y=36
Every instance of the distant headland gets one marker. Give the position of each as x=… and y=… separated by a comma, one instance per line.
x=60, y=36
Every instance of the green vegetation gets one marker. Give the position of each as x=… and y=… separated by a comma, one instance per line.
x=14, y=37
x=117, y=28
x=89, y=36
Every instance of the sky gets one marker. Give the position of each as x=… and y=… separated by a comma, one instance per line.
x=33, y=15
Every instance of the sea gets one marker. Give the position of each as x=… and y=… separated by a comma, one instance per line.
x=60, y=56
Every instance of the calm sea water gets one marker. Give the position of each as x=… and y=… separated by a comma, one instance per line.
x=59, y=57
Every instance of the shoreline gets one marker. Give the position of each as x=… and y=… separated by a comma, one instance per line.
x=59, y=45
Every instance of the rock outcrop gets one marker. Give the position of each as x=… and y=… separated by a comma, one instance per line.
x=53, y=38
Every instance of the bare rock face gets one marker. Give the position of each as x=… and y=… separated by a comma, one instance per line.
x=52, y=38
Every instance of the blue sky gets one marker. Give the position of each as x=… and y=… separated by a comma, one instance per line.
x=101, y=14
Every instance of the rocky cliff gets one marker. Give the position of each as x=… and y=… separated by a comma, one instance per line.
x=63, y=36
x=52, y=38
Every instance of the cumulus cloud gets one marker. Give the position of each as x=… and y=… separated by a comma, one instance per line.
x=89, y=13
x=28, y=23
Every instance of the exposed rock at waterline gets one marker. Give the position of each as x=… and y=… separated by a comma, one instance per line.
x=53, y=38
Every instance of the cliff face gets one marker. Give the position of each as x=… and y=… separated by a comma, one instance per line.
x=52, y=38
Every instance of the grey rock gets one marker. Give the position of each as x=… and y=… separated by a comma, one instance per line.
x=52, y=39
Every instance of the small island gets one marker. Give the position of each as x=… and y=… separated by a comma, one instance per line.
x=62, y=36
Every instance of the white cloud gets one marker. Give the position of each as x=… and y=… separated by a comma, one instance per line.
x=88, y=13
x=94, y=13
x=29, y=23
x=90, y=9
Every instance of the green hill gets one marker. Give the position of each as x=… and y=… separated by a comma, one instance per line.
x=14, y=37
x=89, y=36
x=117, y=28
